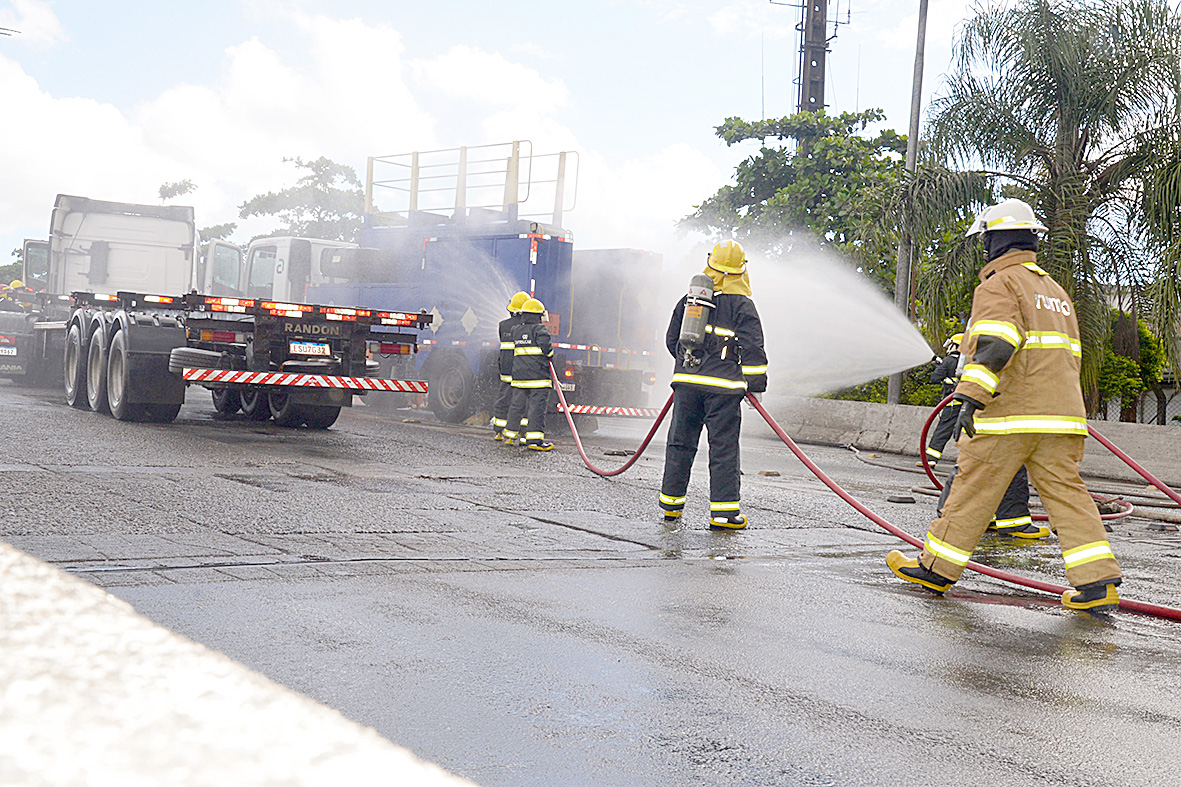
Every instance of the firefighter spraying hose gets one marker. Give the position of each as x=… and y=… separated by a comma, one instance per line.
x=1127, y=507
x=1015, y=579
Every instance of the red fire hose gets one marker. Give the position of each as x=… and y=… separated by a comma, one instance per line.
x=578, y=441
x=1004, y=576
x=1044, y=517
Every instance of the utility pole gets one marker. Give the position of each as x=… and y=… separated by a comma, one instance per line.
x=902, y=269
x=813, y=24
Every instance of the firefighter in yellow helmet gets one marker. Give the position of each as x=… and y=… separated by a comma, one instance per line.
x=532, y=350
x=1021, y=403
x=708, y=387
x=504, y=394
x=946, y=373
x=14, y=297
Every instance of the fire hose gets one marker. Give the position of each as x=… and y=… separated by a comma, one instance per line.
x=1044, y=517
x=1015, y=579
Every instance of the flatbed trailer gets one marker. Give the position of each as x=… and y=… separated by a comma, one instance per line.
x=133, y=354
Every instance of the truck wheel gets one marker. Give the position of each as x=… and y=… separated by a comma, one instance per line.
x=75, y=369
x=284, y=411
x=226, y=401
x=161, y=413
x=96, y=373
x=320, y=416
x=255, y=405
x=119, y=381
x=451, y=385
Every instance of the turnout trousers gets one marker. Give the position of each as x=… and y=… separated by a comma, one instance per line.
x=526, y=415
x=721, y=415
x=1013, y=510
x=504, y=400
x=986, y=468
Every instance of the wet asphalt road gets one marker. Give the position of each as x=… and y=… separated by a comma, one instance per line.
x=520, y=621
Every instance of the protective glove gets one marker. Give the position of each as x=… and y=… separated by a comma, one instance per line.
x=758, y=395
x=963, y=421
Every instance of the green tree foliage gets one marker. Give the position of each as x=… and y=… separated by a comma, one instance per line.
x=1072, y=105
x=1122, y=377
x=326, y=202
x=13, y=270
x=178, y=189
x=778, y=192
x=218, y=231
x=917, y=389
x=849, y=192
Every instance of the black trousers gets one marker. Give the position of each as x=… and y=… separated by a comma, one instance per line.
x=530, y=404
x=721, y=415
x=504, y=400
x=942, y=431
x=1013, y=510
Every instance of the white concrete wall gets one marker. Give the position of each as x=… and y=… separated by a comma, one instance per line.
x=896, y=429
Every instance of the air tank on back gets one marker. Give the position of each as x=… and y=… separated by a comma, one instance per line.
x=698, y=304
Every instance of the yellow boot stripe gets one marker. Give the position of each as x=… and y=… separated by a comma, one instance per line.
x=947, y=551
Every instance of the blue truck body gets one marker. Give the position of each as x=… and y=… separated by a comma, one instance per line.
x=464, y=274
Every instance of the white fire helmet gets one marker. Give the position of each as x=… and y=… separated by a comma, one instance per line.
x=1011, y=214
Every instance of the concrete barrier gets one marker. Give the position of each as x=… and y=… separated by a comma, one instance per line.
x=93, y=693
x=896, y=429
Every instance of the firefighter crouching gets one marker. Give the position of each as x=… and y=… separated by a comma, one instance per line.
x=709, y=382
x=504, y=394
x=1021, y=403
x=532, y=350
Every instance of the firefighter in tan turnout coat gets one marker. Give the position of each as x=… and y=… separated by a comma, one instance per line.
x=1021, y=404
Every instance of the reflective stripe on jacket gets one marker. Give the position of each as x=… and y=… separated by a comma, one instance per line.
x=733, y=359
x=1023, y=351
x=532, y=349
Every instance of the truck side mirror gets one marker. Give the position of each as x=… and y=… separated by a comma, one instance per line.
x=100, y=251
x=299, y=265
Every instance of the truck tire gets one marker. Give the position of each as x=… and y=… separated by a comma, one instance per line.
x=75, y=369
x=451, y=386
x=320, y=416
x=96, y=372
x=283, y=410
x=255, y=404
x=226, y=401
x=119, y=381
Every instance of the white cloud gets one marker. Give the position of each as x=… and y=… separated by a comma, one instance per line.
x=229, y=137
x=35, y=22
x=754, y=18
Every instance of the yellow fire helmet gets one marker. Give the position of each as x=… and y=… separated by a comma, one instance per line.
x=515, y=303
x=17, y=284
x=728, y=257
x=533, y=306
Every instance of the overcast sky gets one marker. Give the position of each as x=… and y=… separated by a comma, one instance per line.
x=111, y=99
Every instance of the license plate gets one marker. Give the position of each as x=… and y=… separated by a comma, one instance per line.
x=567, y=386
x=309, y=348
x=7, y=351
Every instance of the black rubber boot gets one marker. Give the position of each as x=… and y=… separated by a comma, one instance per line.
x=911, y=570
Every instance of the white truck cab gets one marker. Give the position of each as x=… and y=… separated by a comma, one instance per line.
x=282, y=268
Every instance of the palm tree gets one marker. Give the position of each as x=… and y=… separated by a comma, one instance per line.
x=1071, y=105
